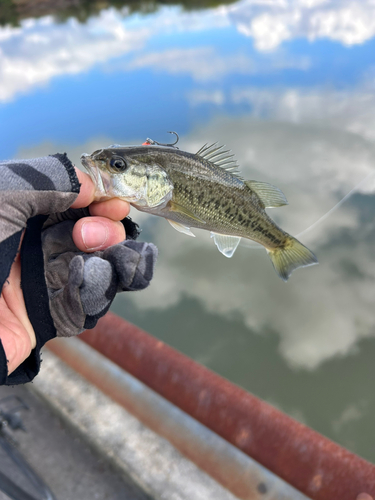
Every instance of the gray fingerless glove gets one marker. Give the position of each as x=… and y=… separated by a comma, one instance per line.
x=81, y=287
x=28, y=188
x=65, y=290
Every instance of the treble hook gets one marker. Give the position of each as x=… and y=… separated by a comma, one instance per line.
x=151, y=141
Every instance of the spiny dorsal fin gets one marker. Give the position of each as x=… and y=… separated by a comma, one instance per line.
x=269, y=195
x=220, y=158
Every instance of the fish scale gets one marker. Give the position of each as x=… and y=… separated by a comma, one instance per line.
x=225, y=213
x=202, y=190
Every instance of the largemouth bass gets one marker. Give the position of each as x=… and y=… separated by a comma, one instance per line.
x=202, y=190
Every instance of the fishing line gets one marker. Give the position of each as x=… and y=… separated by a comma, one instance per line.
x=323, y=217
x=247, y=244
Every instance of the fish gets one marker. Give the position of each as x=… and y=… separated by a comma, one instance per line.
x=203, y=190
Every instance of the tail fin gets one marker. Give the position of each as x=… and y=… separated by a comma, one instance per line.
x=291, y=256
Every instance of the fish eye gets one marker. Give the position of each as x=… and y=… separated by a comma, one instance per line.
x=118, y=163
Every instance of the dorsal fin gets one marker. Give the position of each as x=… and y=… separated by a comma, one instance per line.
x=269, y=195
x=220, y=158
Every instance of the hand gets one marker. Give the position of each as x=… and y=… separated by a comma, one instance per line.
x=90, y=234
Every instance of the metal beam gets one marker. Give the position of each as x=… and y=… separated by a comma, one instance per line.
x=225, y=463
x=308, y=461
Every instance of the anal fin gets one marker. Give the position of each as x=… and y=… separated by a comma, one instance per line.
x=181, y=228
x=226, y=244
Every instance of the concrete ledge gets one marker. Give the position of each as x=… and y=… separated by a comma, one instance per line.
x=159, y=469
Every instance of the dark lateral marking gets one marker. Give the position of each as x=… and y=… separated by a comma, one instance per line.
x=257, y=228
x=262, y=488
x=38, y=180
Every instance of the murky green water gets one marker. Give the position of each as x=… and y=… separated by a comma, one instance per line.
x=290, y=89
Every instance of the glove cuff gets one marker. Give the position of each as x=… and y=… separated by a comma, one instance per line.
x=63, y=158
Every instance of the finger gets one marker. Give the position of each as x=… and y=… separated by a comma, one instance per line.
x=87, y=190
x=97, y=233
x=114, y=209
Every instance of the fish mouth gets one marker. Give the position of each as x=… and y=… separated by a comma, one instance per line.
x=95, y=175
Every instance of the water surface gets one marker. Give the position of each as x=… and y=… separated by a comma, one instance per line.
x=289, y=87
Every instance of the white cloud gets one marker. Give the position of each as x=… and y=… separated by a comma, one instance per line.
x=41, y=50
x=200, y=96
x=172, y=20
x=322, y=312
x=205, y=63
x=267, y=30
x=271, y=23
x=350, y=414
x=318, y=146
x=202, y=63
x=351, y=110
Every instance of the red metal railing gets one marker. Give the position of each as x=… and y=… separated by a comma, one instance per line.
x=305, y=459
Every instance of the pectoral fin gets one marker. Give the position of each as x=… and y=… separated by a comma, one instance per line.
x=226, y=244
x=175, y=207
x=269, y=195
x=181, y=228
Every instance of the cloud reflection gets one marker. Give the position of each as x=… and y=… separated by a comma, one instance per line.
x=315, y=144
x=202, y=63
x=273, y=22
x=205, y=63
x=42, y=49
x=322, y=312
x=352, y=110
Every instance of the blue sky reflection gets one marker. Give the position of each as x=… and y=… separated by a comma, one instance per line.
x=116, y=73
x=289, y=86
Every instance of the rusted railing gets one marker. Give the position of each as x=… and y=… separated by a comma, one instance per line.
x=245, y=478
x=305, y=459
